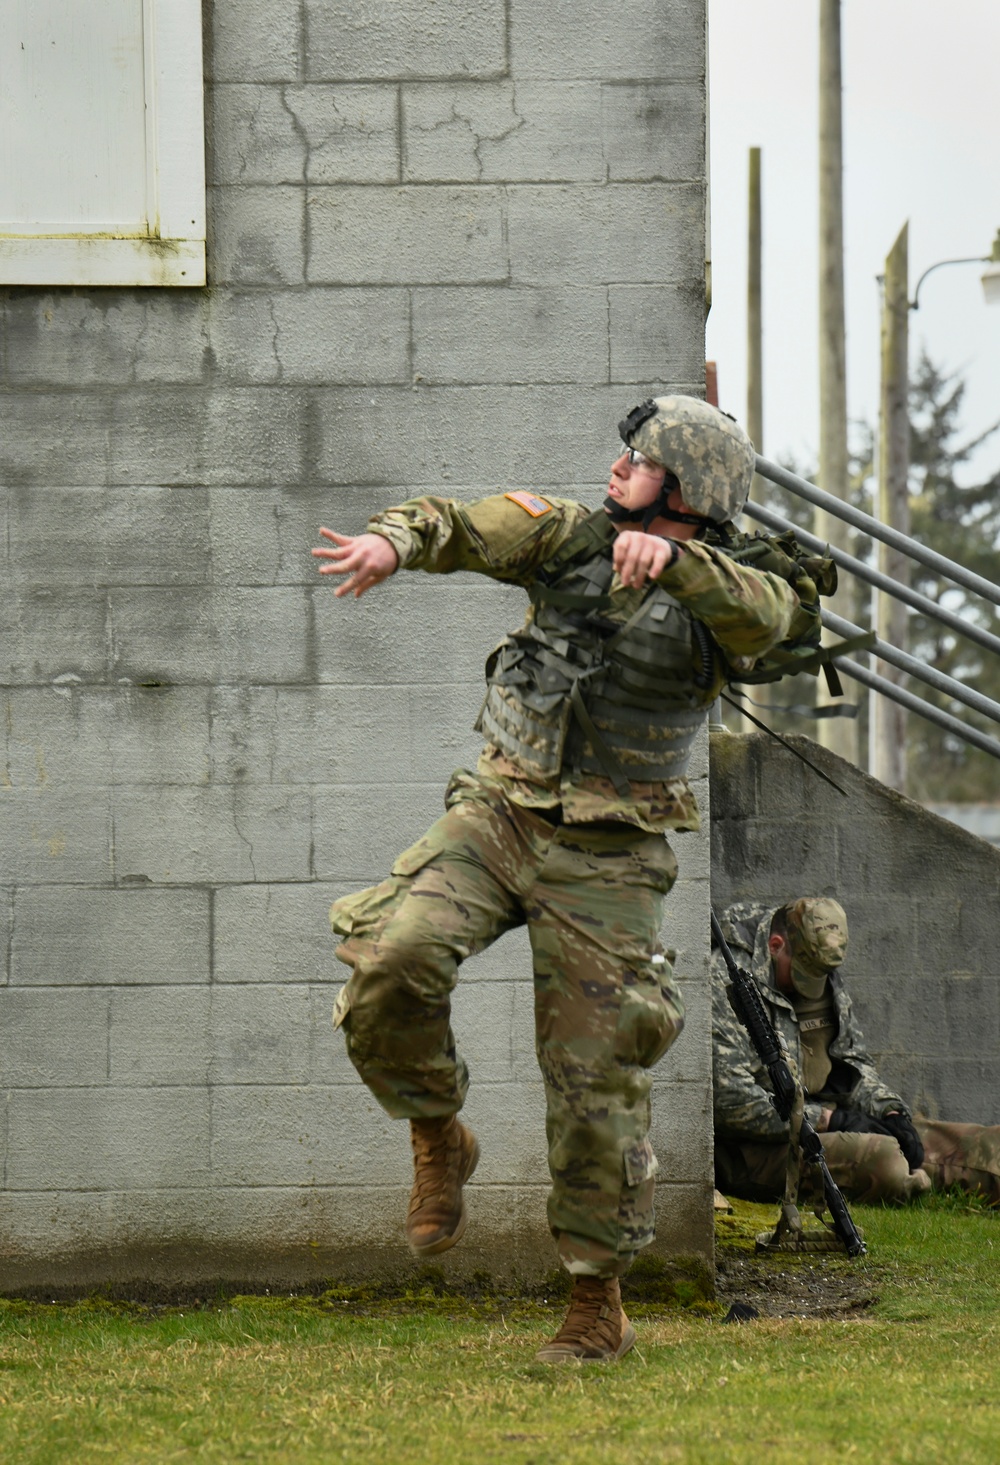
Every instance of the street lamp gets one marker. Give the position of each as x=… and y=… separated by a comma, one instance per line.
x=991, y=276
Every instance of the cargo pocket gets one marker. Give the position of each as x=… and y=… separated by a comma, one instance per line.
x=651, y=1013
x=639, y=1163
x=652, y=864
x=360, y=913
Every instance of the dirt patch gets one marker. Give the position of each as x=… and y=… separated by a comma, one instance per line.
x=786, y=1286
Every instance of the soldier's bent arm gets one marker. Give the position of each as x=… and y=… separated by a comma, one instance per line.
x=506, y=536
x=748, y=611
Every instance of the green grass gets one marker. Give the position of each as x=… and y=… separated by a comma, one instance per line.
x=437, y=1380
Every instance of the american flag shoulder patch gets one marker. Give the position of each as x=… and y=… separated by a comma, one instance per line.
x=536, y=507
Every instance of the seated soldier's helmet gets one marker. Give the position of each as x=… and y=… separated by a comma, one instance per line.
x=706, y=450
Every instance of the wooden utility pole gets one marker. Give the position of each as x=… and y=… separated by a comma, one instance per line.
x=838, y=734
x=755, y=335
x=889, y=720
x=755, y=329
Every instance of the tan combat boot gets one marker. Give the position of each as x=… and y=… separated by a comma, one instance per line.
x=445, y=1154
x=595, y=1326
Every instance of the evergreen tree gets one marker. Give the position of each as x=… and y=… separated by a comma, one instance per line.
x=962, y=522
x=959, y=521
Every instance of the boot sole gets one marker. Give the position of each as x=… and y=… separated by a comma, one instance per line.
x=553, y=1355
x=445, y=1243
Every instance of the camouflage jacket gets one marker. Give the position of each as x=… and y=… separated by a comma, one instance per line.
x=742, y=1106
x=509, y=537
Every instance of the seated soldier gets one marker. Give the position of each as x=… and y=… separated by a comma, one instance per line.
x=876, y=1150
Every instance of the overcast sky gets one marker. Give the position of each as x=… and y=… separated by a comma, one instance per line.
x=921, y=142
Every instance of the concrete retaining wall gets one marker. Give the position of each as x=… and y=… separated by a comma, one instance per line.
x=922, y=898
x=450, y=241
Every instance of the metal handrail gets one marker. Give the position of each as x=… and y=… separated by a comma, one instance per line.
x=929, y=557
x=912, y=598
x=890, y=654
x=924, y=709
x=939, y=680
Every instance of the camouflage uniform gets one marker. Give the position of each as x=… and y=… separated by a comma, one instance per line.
x=582, y=863
x=750, y=1138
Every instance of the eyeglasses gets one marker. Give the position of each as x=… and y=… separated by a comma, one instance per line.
x=639, y=460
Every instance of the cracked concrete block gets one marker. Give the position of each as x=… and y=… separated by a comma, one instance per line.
x=360, y=829
x=508, y=1119
x=32, y=455
x=304, y=1136
x=507, y=960
x=263, y=535
x=681, y=1130
x=275, y=933
x=328, y=1061
x=183, y=836
x=416, y=631
x=253, y=136
x=261, y=1034
x=73, y=340
x=255, y=435
x=263, y=634
x=6, y=932
x=160, y=1036
x=55, y=736
x=120, y=536
x=553, y=438
x=483, y=1024
x=161, y=638
x=318, y=337
x=650, y=130
x=647, y=233
x=503, y=334
x=107, y=1138
x=89, y=736
x=256, y=235
x=159, y=437
x=55, y=836
x=131, y=937
x=307, y=735
x=351, y=133
x=339, y=734
x=408, y=235
x=648, y=39
x=52, y=1038
x=255, y=40
x=230, y=634
x=656, y=332
x=483, y=132
x=56, y=635
x=354, y=39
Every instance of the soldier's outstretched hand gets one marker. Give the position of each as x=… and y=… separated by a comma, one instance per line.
x=366, y=560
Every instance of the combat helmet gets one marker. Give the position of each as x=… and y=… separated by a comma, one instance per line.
x=705, y=450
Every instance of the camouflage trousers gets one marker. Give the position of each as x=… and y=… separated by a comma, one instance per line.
x=606, y=1007
x=870, y=1168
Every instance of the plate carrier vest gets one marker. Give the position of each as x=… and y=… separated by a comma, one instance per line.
x=572, y=688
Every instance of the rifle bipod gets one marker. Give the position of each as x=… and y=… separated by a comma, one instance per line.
x=789, y=1235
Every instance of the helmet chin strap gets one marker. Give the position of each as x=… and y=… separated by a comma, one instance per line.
x=658, y=509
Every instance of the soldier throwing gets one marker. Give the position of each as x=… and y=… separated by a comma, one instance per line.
x=876, y=1150
x=590, y=713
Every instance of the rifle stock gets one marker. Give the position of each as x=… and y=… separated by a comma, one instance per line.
x=748, y=1005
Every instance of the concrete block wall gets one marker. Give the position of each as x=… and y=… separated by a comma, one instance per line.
x=922, y=898
x=450, y=242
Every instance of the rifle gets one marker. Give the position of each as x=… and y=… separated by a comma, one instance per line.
x=747, y=1003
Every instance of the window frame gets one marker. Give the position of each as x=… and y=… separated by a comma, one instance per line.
x=172, y=252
